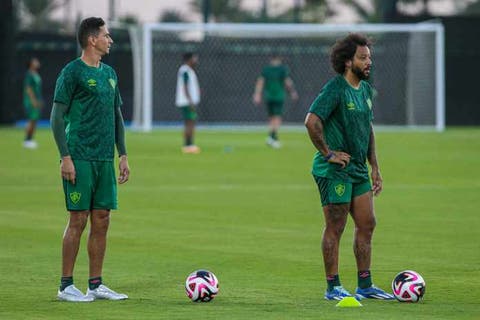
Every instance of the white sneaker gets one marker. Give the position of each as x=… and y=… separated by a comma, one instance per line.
x=30, y=144
x=269, y=141
x=191, y=149
x=72, y=294
x=103, y=292
x=276, y=144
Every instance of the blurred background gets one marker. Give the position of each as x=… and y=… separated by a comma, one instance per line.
x=46, y=29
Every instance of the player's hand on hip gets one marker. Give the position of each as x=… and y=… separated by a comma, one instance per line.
x=124, y=170
x=341, y=158
x=67, y=169
x=377, y=182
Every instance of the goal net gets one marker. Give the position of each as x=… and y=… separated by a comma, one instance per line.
x=408, y=70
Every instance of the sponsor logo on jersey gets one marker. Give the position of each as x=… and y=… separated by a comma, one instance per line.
x=351, y=106
x=340, y=189
x=92, y=82
x=112, y=83
x=75, y=197
x=369, y=103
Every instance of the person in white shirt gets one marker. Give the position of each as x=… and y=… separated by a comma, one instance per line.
x=188, y=98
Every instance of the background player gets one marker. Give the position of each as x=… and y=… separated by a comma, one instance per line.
x=187, y=99
x=32, y=101
x=272, y=84
x=339, y=123
x=87, y=105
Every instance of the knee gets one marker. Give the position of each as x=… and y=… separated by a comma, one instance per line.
x=367, y=227
x=77, y=222
x=100, y=223
x=335, y=229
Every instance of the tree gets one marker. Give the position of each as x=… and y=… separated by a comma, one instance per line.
x=171, y=16
x=223, y=10
x=129, y=19
x=38, y=12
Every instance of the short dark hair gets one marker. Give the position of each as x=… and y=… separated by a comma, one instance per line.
x=30, y=61
x=344, y=50
x=88, y=27
x=187, y=56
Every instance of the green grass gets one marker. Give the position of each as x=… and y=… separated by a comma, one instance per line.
x=252, y=216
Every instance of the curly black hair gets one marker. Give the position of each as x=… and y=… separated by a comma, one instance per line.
x=344, y=50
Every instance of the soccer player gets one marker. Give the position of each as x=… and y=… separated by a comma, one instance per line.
x=87, y=123
x=188, y=98
x=339, y=124
x=272, y=84
x=32, y=101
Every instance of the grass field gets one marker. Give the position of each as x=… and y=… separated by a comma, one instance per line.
x=252, y=216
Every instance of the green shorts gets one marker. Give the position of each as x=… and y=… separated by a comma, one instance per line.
x=188, y=113
x=32, y=113
x=275, y=108
x=95, y=186
x=336, y=191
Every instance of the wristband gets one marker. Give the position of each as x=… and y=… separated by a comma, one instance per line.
x=329, y=156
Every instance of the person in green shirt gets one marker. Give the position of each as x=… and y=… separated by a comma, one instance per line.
x=87, y=123
x=272, y=83
x=32, y=100
x=339, y=124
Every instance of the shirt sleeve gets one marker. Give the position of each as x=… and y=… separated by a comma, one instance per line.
x=326, y=102
x=64, y=88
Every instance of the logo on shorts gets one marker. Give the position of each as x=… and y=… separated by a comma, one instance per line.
x=112, y=82
x=340, y=189
x=91, y=82
x=75, y=197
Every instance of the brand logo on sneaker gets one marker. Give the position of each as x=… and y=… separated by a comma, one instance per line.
x=351, y=106
x=75, y=197
x=112, y=83
x=92, y=82
x=340, y=189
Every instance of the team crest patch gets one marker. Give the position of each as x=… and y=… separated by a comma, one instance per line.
x=351, y=106
x=112, y=83
x=75, y=197
x=369, y=103
x=340, y=189
x=92, y=82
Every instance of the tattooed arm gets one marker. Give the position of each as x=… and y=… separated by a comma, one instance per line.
x=315, y=130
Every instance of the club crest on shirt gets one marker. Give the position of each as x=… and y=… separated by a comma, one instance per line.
x=340, y=189
x=75, y=197
x=112, y=82
x=369, y=103
x=351, y=106
x=92, y=82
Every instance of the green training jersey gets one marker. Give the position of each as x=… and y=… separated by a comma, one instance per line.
x=34, y=81
x=91, y=95
x=274, y=87
x=346, y=113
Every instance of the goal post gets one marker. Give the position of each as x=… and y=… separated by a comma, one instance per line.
x=408, y=70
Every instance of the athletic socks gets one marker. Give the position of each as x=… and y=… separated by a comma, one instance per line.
x=274, y=135
x=65, y=282
x=94, y=283
x=333, y=281
x=364, y=279
x=188, y=141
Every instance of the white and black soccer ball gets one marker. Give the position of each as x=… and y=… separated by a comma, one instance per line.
x=201, y=286
x=408, y=286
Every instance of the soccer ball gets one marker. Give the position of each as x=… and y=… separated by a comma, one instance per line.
x=201, y=286
x=408, y=286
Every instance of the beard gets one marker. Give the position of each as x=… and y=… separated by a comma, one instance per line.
x=359, y=73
